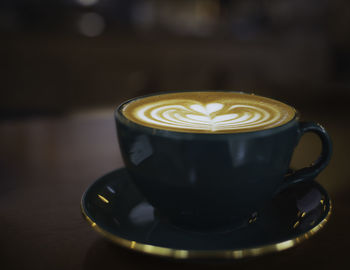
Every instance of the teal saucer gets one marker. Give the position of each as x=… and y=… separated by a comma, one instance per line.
x=115, y=209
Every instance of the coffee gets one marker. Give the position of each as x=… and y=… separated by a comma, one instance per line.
x=212, y=173
x=208, y=112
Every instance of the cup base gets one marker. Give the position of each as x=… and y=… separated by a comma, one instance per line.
x=208, y=224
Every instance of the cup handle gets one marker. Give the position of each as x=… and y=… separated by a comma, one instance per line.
x=309, y=173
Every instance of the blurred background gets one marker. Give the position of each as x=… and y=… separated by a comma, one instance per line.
x=66, y=64
x=63, y=55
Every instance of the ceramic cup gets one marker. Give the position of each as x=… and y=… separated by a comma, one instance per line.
x=207, y=181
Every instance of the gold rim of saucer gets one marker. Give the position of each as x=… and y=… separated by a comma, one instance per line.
x=197, y=254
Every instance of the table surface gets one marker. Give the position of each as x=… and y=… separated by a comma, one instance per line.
x=46, y=163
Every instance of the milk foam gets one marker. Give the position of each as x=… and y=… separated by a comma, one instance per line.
x=214, y=116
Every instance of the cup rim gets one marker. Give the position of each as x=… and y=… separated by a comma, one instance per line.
x=120, y=117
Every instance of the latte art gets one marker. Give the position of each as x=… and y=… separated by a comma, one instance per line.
x=218, y=112
x=211, y=116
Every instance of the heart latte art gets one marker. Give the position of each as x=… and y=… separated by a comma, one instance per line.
x=208, y=112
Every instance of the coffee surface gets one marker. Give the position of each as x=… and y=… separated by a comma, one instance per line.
x=208, y=112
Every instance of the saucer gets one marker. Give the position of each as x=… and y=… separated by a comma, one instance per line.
x=115, y=209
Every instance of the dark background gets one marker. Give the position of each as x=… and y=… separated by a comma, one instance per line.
x=66, y=64
x=65, y=55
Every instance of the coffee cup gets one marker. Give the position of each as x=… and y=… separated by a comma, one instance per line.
x=213, y=159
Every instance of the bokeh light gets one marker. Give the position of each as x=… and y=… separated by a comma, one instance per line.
x=91, y=24
x=87, y=2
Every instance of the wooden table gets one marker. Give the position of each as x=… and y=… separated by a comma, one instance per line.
x=46, y=163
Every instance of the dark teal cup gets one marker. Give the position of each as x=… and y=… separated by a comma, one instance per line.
x=214, y=181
